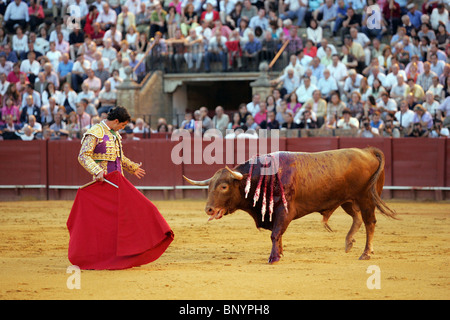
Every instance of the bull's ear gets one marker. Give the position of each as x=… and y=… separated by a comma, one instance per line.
x=236, y=175
x=198, y=183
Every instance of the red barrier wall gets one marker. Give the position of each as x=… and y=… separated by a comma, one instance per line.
x=51, y=169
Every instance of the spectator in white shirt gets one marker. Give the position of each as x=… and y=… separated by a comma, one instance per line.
x=20, y=42
x=79, y=71
x=290, y=81
x=347, y=122
x=398, y=91
x=391, y=79
x=404, y=117
x=327, y=84
x=305, y=91
x=338, y=70
x=387, y=105
x=352, y=83
x=134, y=6
x=296, y=9
x=106, y=18
x=253, y=107
x=438, y=14
x=30, y=66
x=16, y=13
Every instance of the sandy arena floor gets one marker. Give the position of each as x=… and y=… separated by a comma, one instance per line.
x=227, y=258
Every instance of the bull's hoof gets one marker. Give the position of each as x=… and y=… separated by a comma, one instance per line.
x=364, y=256
x=274, y=260
x=349, y=245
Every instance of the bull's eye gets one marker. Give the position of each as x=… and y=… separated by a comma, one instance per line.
x=224, y=187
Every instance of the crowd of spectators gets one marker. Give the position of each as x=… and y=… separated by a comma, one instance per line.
x=390, y=81
x=61, y=60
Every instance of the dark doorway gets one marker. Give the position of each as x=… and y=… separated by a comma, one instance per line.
x=228, y=94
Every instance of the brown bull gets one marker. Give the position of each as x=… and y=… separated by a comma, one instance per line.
x=303, y=183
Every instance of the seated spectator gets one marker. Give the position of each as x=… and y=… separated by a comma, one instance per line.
x=327, y=84
x=430, y=104
x=16, y=13
x=217, y=51
x=288, y=80
x=376, y=121
x=438, y=130
x=50, y=91
x=194, y=44
x=235, y=121
x=106, y=17
x=367, y=131
x=14, y=75
x=417, y=131
x=84, y=119
x=220, y=120
x=26, y=134
x=50, y=75
x=107, y=98
x=415, y=90
x=79, y=72
x=67, y=98
x=335, y=107
x=10, y=109
x=157, y=20
x=423, y=116
x=58, y=125
x=177, y=43
x=404, y=117
x=141, y=126
x=294, y=10
x=305, y=91
x=387, y=105
x=347, y=122
x=29, y=90
x=93, y=82
x=34, y=125
x=314, y=33
x=389, y=130
x=292, y=103
x=30, y=67
x=30, y=108
x=269, y=47
x=65, y=67
x=209, y=14
x=356, y=106
x=307, y=120
x=9, y=127
x=271, y=123
x=398, y=91
x=250, y=52
x=261, y=115
x=289, y=121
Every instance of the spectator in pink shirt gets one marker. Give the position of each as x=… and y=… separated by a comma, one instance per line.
x=62, y=45
x=261, y=115
x=94, y=83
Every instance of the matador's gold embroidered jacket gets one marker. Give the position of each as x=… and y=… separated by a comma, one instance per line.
x=101, y=150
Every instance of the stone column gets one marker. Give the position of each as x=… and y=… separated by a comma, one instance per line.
x=262, y=85
x=128, y=94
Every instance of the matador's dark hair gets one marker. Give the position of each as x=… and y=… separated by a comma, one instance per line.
x=119, y=113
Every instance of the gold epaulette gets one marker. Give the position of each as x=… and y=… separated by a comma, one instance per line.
x=97, y=131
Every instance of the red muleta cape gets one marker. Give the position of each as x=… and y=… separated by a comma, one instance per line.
x=114, y=228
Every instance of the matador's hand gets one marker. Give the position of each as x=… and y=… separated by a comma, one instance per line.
x=139, y=171
x=99, y=177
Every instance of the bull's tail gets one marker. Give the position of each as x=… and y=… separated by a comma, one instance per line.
x=379, y=203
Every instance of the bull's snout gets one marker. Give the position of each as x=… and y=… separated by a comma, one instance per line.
x=209, y=210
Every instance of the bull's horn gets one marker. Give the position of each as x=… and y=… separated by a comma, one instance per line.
x=198, y=183
x=236, y=175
